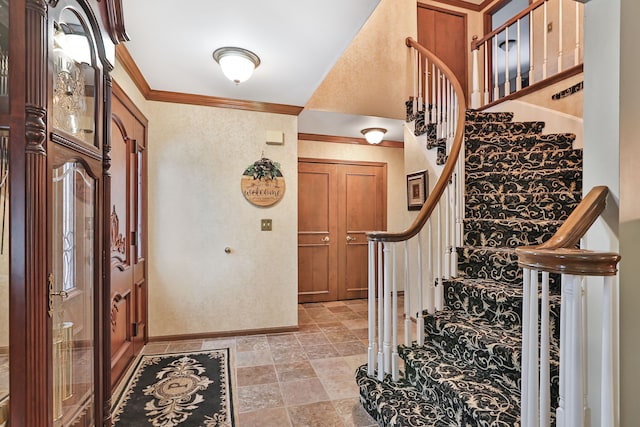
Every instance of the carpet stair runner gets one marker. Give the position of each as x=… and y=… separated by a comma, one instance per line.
x=520, y=186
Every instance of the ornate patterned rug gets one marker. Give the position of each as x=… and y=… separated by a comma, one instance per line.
x=178, y=389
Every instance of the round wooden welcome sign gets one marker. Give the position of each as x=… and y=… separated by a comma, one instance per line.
x=262, y=183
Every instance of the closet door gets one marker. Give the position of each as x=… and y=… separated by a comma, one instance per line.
x=338, y=202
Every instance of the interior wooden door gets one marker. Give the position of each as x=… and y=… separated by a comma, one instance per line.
x=362, y=208
x=128, y=224
x=338, y=202
x=317, y=232
x=445, y=33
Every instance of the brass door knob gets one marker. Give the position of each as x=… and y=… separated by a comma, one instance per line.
x=351, y=239
x=325, y=239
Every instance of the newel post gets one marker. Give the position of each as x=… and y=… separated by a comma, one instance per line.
x=475, y=85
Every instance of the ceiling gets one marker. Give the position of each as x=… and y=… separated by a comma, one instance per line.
x=298, y=42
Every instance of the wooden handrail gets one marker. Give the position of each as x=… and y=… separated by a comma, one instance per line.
x=580, y=220
x=578, y=262
x=433, y=199
x=559, y=255
x=475, y=44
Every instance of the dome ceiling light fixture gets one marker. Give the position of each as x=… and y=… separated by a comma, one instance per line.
x=374, y=135
x=237, y=63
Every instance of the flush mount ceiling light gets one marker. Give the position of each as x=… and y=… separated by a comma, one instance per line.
x=237, y=64
x=507, y=44
x=374, y=135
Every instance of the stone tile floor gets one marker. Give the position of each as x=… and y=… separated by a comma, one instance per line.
x=303, y=378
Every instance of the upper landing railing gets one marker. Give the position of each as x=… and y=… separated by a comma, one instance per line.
x=543, y=42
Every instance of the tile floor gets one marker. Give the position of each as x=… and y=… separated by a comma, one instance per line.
x=303, y=378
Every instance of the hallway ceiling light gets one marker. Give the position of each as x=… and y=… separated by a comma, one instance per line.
x=237, y=64
x=374, y=135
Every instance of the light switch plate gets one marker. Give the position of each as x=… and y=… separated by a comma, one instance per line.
x=265, y=224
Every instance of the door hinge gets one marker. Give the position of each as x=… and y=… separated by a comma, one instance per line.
x=134, y=329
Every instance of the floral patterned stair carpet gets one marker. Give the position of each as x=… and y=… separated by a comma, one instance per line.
x=520, y=186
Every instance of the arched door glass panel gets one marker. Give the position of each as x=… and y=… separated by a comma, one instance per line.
x=72, y=294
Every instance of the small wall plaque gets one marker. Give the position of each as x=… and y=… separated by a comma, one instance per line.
x=262, y=183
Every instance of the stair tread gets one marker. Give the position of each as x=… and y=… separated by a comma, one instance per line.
x=401, y=400
x=490, y=397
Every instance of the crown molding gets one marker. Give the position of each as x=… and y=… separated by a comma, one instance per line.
x=347, y=140
x=126, y=60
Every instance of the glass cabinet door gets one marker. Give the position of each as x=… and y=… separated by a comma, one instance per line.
x=72, y=292
x=4, y=278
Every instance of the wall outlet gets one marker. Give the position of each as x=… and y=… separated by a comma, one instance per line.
x=549, y=27
x=265, y=224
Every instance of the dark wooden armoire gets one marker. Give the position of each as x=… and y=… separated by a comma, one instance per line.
x=55, y=100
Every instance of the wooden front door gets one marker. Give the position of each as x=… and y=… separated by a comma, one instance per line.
x=128, y=229
x=338, y=202
x=444, y=33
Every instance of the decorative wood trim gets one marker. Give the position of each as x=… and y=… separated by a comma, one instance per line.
x=124, y=57
x=338, y=162
x=466, y=5
x=578, y=262
x=126, y=60
x=36, y=377
x=347, y=140
x=207, y=335
x=94, y=153
x=442, y=183
x=214, y=101
x=569, y=72
x=124, y=99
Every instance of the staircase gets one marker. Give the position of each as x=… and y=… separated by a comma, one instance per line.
x=520, y=186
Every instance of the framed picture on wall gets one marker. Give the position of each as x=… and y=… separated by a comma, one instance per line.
x=417, y=190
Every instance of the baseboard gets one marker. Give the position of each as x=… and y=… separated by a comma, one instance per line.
x=207, y=335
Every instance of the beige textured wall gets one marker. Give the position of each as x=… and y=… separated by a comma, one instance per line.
x=572, y=105
x=371, y=77
x=196, y=209
x=394, y=158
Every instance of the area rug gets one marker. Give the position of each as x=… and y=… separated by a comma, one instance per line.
x=191, y=389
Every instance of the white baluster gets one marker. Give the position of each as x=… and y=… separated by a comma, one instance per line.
x=525, y=399
x=531, y=44
x=416, y=76
x=545, y=336
x=545, y=50
x=407, y=297
x=608, y=410
x=431, y=287
x=507, y=80
x=395, y=369
x=475, y=82
x=576, y=53
x=386, y=351
x=486, y=72
x=447, y=214
x=371, y=314
x=560, y=26
x=518, y=62
x=496, y=89
x=425, y=99
x=439, y=253
x=420, y=101
x=434, y=92
x=380, y=312
x=533, y=358
x=420, y=315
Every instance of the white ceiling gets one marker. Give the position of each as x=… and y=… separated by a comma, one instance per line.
x=298, y=42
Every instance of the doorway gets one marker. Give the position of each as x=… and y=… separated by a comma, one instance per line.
x=338, y=202
x=444, y=33
x=128, y=233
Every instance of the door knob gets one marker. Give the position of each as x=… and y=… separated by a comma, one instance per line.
x=351, y=239
x=325, y=239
